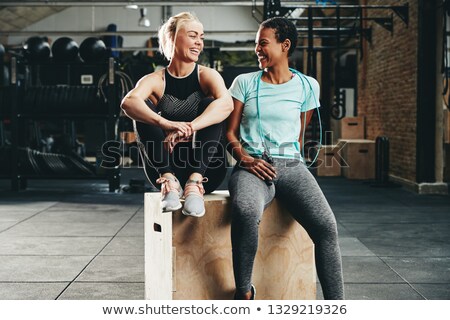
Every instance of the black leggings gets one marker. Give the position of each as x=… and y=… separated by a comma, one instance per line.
x=207, y=156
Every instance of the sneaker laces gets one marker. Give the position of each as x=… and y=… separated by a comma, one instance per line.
x=195, y=187
x=168, y=185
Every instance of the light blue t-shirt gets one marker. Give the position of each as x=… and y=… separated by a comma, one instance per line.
x=280, y=106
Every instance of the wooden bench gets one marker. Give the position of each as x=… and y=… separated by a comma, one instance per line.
x=190, y=258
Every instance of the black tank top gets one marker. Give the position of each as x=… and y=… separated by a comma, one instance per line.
x=181, y=97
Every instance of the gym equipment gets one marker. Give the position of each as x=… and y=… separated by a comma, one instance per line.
x=338, y=110
x=52, y=92
x=5, y=160
x=2, y=103
x=382, y=159
x=135, y=186
x=63, y=99
x=382, y=164
x=358, y=157
x=4, y=72
x=113, y=41
x=2, y=53
x=65, y=49
x=93, y=50
x=44, y=163
x=331, y=26
x=5, y=107
x=37, y=49
x=171, y=240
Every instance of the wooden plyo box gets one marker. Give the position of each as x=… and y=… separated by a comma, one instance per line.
x=358, y=157
x=352, y=128
x=328, y=161
x=190, y=258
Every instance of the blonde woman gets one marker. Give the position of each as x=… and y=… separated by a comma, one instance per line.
x=179, y=113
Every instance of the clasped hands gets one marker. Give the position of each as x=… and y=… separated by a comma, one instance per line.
x=176, y=131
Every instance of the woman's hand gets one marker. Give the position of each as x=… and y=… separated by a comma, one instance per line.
x=184, y=129
x=173, y=138
x=260, y=168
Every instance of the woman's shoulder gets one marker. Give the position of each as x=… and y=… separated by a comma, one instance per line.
x=154, y=76
x=153, y=83
x=250, y=76
x=312, y=80
x=158, y=74
x=206, y=73
x=309, y=80
x=247, y=78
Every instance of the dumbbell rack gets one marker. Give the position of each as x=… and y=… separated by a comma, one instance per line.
x=4, y=119
x=64, y=95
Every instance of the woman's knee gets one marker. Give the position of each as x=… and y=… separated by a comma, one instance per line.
x=246, y=213
x=325, y=229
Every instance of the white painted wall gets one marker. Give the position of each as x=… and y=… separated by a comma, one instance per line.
x=218, y=18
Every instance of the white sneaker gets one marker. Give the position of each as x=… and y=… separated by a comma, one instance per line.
x=171, y=192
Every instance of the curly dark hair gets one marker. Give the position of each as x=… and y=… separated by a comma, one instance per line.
x=284, y=29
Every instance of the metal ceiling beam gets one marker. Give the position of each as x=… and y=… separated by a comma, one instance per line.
x=342, y=6
x=251, y=33
x=118, y=33
x=351, y=18
x=317, y=32
x=124, y=3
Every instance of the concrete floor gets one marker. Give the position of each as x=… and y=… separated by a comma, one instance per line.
x=74, y=240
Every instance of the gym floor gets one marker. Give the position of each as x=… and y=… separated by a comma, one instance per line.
x=75, y=240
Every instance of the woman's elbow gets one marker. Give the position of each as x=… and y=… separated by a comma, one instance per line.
x=230, y=135
x=126, y=105
x=229, y=106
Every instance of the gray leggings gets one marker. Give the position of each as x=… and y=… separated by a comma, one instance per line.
x=297, y=188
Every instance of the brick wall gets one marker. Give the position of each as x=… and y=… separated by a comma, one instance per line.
x=387, y=87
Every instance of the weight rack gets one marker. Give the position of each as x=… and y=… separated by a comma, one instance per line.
x=46, y=103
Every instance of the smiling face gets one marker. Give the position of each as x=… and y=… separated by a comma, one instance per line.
x=189, y=41
x=268, y=49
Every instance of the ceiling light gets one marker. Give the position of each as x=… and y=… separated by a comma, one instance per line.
x=144, y=21
x=132, y=6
